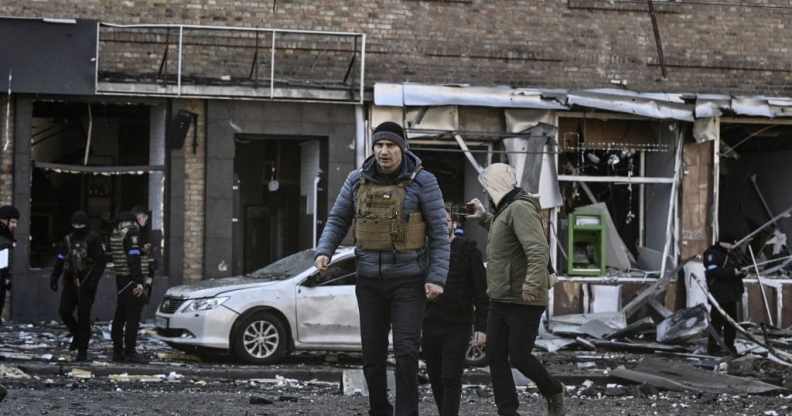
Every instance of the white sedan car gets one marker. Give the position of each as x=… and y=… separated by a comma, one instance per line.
x=263, y=316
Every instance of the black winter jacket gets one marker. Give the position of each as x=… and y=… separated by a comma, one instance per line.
x=464, y=299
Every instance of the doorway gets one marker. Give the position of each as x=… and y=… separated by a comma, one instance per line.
x=274, y=199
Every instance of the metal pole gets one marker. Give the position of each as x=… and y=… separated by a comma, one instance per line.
x=88, y=139
x=179, y=73
x=671, y=205
x=761, y=287
x=315, y=208
x=658, y=40
x=272, y=66
x=362, y=66
x=642, y=203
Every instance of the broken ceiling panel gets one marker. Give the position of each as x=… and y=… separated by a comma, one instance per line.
x=647, y=105
x=400, y=95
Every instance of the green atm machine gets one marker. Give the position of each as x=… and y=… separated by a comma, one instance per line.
x=586, y=243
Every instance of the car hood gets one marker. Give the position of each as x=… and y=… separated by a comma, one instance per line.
x=214, y=287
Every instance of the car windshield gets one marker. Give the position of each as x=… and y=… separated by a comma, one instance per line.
x=286, y=267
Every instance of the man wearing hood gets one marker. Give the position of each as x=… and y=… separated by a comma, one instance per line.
x=402, y=248
x=81, y=261
x=517, y=285
x=9, y=216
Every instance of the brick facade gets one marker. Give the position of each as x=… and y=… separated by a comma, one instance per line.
x=551, y=43
x=194, y=184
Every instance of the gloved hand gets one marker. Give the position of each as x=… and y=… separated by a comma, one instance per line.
x=54, y=283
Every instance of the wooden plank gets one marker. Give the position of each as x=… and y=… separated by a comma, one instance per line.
x=696, y=198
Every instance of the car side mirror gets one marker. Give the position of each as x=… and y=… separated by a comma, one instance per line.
x=312, y=281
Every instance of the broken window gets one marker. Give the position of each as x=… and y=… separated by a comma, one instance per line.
x=616, y=180
x=753, y=190
x=86, y=156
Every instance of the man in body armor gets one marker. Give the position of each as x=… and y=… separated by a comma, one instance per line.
x=402, y=249
x=81, y=261
x=9, y=216
x=128, y=261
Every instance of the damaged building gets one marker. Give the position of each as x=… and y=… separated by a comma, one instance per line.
x=237, y=126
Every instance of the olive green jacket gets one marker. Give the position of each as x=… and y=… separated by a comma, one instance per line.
x=517, y=252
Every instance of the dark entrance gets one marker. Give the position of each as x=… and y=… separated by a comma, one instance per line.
x=274, y=197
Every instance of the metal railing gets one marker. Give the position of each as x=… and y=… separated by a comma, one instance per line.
x=125, y=52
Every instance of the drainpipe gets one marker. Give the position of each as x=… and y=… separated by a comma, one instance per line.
x=360, y=136
x=315, y=206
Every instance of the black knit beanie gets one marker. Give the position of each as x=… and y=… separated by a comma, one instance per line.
x=392, y=132
x=8, y=212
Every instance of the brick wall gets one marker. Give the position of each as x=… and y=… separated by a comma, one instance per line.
x=554, y=43
x=194, y=180
x=6, y=152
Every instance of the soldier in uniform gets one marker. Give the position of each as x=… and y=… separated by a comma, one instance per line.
x=402, y=249
x=149, y=243
x=81, y=261
x=128, y=261
x=9, y=216
x=726, y=285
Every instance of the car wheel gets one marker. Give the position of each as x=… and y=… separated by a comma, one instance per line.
x=260, y=338
x=475, y=356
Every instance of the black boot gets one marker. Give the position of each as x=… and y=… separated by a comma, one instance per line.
x=73, y=345
x=555, y=404
x=118, y=356
x=82, y=356
x=3, y=392
x=135, y=358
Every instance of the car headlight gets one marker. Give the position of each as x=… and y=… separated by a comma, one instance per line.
x=196, y=305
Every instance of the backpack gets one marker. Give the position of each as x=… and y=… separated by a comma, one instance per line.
x=77, y=261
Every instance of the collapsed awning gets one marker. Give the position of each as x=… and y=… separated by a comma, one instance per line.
x=97, y=170
x=666, y=106
x=420, y=95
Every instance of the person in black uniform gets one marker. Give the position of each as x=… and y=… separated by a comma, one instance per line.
x=81, y=261
x=726, y=286
x=126, y=254
x=448, y=321
x=9, y=216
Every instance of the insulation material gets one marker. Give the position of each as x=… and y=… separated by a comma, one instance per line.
x=549, y=187
x=481, y=119
x=536, y=170
x=380, y=115
x=435, y=119
x=695, y=295
x=619, y=256
x=605, y=298
x=518, y=121
x=706, y=130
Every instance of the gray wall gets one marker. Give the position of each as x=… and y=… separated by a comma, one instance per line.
x=228, y=118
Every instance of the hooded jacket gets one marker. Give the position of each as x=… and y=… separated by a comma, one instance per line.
x=517, y=251
x=422, y=194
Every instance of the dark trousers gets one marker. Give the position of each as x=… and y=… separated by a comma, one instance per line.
x=443, y=346
x=80, y=299
x=723, y=327
x=511, y=332
x=126, y=320
x=3, y=290
x=396, y=303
